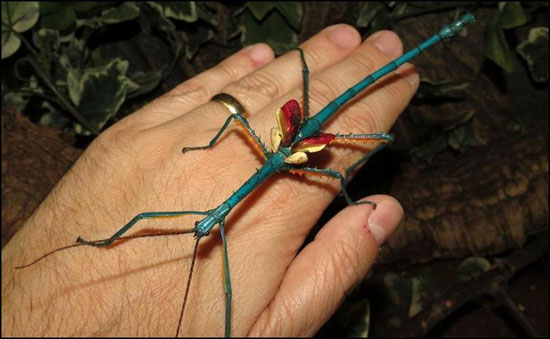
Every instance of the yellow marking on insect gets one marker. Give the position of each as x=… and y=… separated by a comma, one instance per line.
x=296, y=158
x=281, y=122
x=310, y=148
x=275, y=139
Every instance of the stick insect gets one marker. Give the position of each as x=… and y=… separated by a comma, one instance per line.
x=297, y=134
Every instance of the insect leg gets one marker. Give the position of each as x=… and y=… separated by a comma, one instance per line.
x=227, y=282
x=370, y=137
x=383, y=137
x=252, y=137
x=145, y=215
x=128, y=237
x=363, y=160
x=331, y=173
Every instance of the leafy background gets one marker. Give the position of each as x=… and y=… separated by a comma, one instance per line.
x=469, y=163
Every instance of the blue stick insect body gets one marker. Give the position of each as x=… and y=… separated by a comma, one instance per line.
x=296, y=135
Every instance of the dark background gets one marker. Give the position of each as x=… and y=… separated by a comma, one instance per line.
x=469, y=165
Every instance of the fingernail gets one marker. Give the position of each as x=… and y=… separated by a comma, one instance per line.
x=260, y=53
x=384, y=220
x=408, y=73
x=343, y=36
x=388, y=42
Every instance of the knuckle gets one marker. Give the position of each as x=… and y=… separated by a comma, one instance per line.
x=364, y=62
x=117, y=142
x=397, y=97
x=191, y=90
x=259, y=85
x=313, y=57
x=228, y=72
x=362, y=114
x=322, y=91
x=103, y=148
x=110, y=138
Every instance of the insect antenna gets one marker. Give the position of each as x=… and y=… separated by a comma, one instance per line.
x=117, y=241
x=188, y=285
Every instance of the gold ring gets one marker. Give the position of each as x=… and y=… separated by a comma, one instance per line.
x=230, y=102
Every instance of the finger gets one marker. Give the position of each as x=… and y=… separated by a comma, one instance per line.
x=199, y=89
x=284, y=74
x=279, y=77
x=374, y=112
x=379, y=106
x=328, y=268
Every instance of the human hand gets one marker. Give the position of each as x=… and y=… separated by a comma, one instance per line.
x=136, y=288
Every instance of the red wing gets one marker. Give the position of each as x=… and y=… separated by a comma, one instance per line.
x=289, y=118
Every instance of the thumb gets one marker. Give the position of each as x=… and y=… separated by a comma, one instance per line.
x=319, y=278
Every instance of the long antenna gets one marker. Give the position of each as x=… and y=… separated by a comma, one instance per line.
x=188, y=285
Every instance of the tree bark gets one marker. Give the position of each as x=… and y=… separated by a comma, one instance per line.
x=34, y=158
x=486, y=201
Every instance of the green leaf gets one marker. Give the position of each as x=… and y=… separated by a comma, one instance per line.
x=46, y=39
x=48, y=42
x=496, y=47
x=146, y=82
x=357, y=320
x=53, y=117
x=14, y=100
x=416, y=297
x=260, y=9
x=400, y=8
x=430, y=89
x=124, y=12
x=84, y=6
x=73, y=55
x=465, y=136
x=20, y=16
x=512, y=15
x=472, y=267
x=508, y=15
x=79, y=129
x=16, y=17
x=292, y=12
x=10, y=44
x=196, y=39
x=159, y=18
x=99, y=92
x=535, y=52
x=368, y=12
x=49, y=7
x=185, y=11
x=273, y=30
x=205, y=13
x=59, y=20
x=399, y=288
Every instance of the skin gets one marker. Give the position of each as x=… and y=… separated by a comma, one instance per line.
x=137, y=287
